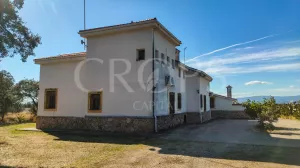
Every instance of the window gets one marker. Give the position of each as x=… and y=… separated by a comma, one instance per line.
x=50, y=99
x=204, y=103
x=162, y=58
x=173, y=64
x=179, y=100
x=95, y=101
x=201, y=102
x=156, y=55
x=140, y=54
x=179, y=72
x=212, y=102
x=168, y=60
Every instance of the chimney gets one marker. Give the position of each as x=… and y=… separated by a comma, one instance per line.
x=229, y=91
x=177, y=54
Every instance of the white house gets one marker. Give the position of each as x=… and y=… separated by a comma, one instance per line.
x=129, y=79
x=226, y=106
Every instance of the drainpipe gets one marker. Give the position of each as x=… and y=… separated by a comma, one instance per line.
x=153, y=77
x=201, y=119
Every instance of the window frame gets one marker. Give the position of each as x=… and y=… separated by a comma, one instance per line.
x=168, y=60
x=173, y=63
x=212, y=102
x=201, y=101
x=162, y=56
x=179, y=95
x=45, y=99
x=138, y=54
x=156, y=55
x=101, y=100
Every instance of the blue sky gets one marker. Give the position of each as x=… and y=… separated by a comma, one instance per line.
x=269, y=65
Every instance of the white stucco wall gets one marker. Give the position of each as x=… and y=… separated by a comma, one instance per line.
x=130, y=99
x=94, y=76
x=71, y=100
x=162, y=93
x=127, y=98
x=118, y=52
x=193, y=84
x=204, y=90
x=193, y=99
x=226, y=105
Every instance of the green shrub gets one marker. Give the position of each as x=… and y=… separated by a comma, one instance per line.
x=266, y=112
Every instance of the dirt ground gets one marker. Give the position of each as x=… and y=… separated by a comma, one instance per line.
x=41, y=149
x=287, y=133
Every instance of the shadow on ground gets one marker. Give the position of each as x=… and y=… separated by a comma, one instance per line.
x=189, y=147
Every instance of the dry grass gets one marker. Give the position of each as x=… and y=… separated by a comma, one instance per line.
x=40, y=149
x=19, y=117
x=288, y=117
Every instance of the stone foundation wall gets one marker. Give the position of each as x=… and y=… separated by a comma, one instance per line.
x=120, y=124
x=170, y=121
x=206, y=116
x=108, y=124
x=229, y=114
x=193, y=118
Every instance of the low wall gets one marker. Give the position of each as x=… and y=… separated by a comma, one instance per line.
x=206, y=116
x=229, y=114
x=120, y=124
x=193, y=118
x=170, y=121
x=107, y=124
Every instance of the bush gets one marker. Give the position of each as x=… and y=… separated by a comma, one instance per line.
x=252, y=108
x=20, y=117
x=267, y=112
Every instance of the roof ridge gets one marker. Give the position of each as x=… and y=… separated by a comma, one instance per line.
x=82, y=54
x=140, y=21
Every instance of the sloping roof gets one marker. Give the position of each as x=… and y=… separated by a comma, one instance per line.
x=203, y=74
x=119, y=25
x=153, y=22
x=221, y=96
x=61, y=56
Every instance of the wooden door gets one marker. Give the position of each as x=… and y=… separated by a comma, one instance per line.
x=204, y=103
x=171, y=102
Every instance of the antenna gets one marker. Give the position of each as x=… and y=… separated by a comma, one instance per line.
x=184, y=54
x=84, y=40
x=84, y=14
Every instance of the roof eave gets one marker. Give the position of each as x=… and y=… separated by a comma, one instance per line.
x=221, y=96
x=127, y=27
x=58, y=60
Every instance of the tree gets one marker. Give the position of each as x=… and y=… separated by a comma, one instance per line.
x=270, y=111
x=267, y=111
x=6, y=88
x=28, y=89
x=15, y=37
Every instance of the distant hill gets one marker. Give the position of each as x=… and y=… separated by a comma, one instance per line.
x=279, y=99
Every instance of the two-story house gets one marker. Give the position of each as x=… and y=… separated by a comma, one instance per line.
x=129, y=79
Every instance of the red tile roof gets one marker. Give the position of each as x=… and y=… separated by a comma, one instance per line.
x=62, y=56
x=119, y=27
x=141, y=21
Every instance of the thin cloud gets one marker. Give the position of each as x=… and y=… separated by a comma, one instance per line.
x=224, y=70
x=257, y=82
x=53, y=7
x=231, y=46
x=286, y=91
x=295, y=41
x=276, y=54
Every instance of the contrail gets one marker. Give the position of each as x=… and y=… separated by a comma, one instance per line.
x=234, y=45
